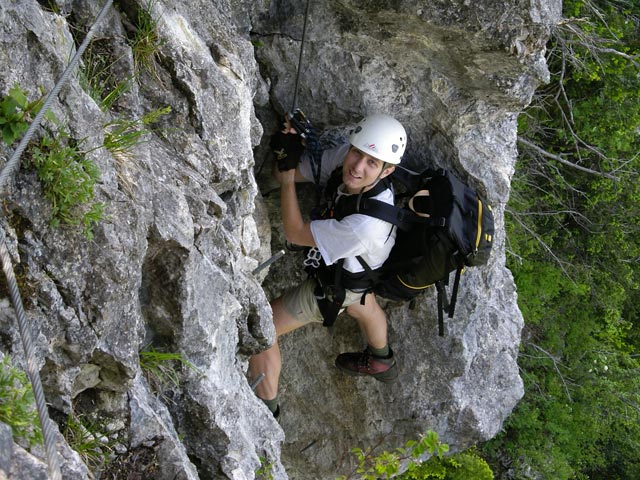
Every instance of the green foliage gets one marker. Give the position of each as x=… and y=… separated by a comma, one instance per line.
x=121, y=135
x=68, y=178
x=97, y=75
x=461, y=466
x=574, y=238
x=160, y=368
x=15, y=114
x=146, y=42
x=17, y=404
x=51, y=6
x=264, y=472
x=89, y=438
x=100, y=78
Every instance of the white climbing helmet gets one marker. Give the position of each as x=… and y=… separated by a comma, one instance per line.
x=380, y=136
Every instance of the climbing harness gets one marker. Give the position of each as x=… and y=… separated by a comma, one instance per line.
x=11, y=167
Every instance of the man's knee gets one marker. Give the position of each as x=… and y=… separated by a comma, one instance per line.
x=370, y=307
x=282, y=319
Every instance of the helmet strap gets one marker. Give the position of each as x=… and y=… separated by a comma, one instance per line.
x=373, y=184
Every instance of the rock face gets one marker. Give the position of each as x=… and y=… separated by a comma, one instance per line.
x=191, y=212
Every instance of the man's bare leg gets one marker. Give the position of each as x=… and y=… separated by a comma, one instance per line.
x=269, y=362
x=377, y=360
x=372, y=321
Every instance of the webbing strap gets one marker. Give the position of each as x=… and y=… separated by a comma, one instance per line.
x=332, y=296
x=370, y=276
x=441, y=307
x=454, y=292
x=445, y=305
x=402, y=218
x=315, y=151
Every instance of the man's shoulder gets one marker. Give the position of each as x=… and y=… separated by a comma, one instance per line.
x=387, y=196
x=365, y=225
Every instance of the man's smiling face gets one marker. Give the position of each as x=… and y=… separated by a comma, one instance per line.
x=362, y=170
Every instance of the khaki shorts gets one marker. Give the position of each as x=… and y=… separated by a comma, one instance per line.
x=301, y=302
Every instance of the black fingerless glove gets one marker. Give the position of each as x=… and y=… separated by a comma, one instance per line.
x=288, y=149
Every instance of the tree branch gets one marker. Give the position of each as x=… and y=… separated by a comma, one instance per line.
x=555, y=362
x=558, y=158
x=541, y=242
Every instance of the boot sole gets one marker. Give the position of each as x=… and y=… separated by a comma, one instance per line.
x=384, y=377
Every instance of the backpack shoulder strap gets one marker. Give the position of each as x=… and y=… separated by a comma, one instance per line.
x=398, y=216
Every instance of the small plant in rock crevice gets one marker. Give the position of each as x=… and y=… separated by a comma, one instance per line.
x=97, y=75
x=265, y=470
x=67, y=175
x=121, y=135
x=146, y=42
x=161, y=368
x=387, y=464
x=90, y=439
x=99, y=79
x=68, y=178
x=15, y=114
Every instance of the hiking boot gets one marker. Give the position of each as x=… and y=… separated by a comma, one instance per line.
x=383, y=369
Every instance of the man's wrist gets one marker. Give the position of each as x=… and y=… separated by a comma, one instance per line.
x=288, y=177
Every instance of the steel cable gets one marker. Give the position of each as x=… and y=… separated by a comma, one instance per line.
x=12, y=166
x=14, y=162
x=32, y=367
x=304, y=34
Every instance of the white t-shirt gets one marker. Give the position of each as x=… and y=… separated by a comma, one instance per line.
x=368, y=237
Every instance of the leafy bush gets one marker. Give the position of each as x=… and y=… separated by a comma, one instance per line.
x=461, y=466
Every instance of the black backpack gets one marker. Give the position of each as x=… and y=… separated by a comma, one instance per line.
x=445, y=226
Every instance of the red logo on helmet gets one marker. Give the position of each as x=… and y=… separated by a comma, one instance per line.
x=372, y=146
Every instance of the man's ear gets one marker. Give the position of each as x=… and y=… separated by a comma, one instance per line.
x=388, y=170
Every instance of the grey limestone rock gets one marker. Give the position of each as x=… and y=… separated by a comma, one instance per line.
x=191, y=212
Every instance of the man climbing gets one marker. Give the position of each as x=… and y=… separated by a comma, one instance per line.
x=342, y=249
